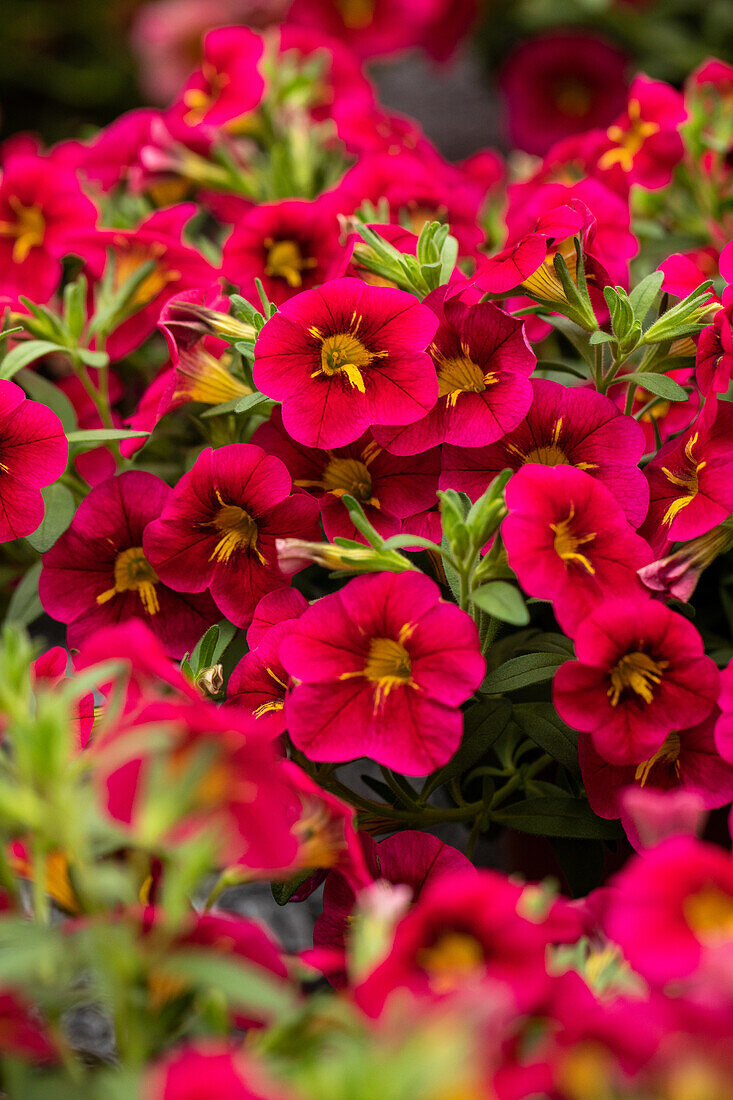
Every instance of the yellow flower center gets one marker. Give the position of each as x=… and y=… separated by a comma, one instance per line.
x=628, y=142
x=451, y=960
x=572, y=97
x=567, y=542
x=668, y=754
x=687, y=480
x=134, y=573
x=709, y=913
x=238, y=532
x=356, y=14
x=130, y=257
x=550, y=453
x=459, y=374
x=200, y=100
x=285, y=261
x=388, y=666
x=344, y=353
x=635, y=672
x=544, y=283
x=271, y=705
x=348, y=475
x=28, y=228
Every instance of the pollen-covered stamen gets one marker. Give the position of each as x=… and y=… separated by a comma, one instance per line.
x=668, y=754
x=687, y=480
x=134, y=573
x=286, y=261
x=28, y=228
x=344, y=353
x=388, y=666
x=628, y=142
x=238, y=533
x=637, y=672
x=451, y=960
x=459, y=374
x=567, y=542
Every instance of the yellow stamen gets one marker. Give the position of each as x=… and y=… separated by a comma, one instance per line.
x=459, y=374
x=628, y=142
x=28, y=228
x=709, y=913
x=348, y=475
x=239, y=532
x=200, y=100
x=668, y=754
x=134, y=573
x=567, y=543
x=636, y=672
x=451, y=960
x=343, y=353
x=285, y=261
x=687, y=480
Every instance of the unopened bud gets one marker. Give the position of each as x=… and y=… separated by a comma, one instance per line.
x=210, y=681
x=295, y=554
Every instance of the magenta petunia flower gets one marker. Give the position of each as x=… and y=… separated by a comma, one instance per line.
x=564, y=427
x=33, y=453
x=218, y=528
x=688, y=760
x=389, y=488
x=640, y=673
x=291, y=246
x=672, y=905
x=483, y=362
x=97, y=573
x=346, y=356
x=569, y=542
x=43, y=212
x=207, y=1068
x=381, y=668
x=690, y=483
x=644, y=142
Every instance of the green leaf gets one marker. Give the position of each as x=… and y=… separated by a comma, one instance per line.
x=282, y=892
x=246, y=403
x=502, y=600
x=95, y=359
x=643, y=295
x=94, y=436
x=519, y=672
x=59, y=508
x=542, y=724
x=25, y=605
x=243, y=984
x=571, y=817
x=658, y=384
x=549, y=643
x=40, y=389
x=483, y=724
x=600, y=337
x=22, y=355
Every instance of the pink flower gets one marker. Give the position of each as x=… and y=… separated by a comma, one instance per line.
x=382, y=668
x=564, y=427
x=217, y=530
x=47, y=672
x=97, y=574
x=640, y=673
x=43, y=214
x=688, y=760
x=690, y=484
x=652, y=815
x=569, y=542
x=346, y=356
x=227, y=86
x=389, y=488
x=644, y=142
x=291, y=246
x=274, y=608
x=555, y=85
x=207, y=1071
x=34, y=451
x=673, y=904
x=483, y=362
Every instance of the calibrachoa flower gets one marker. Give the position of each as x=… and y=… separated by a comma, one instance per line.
x=43, y=212
x=346, y=356
x=688, y=760
x=218, y=528
x=644, y=142
x=690, y=483
x=390, y=488
x=382, y=667
x=97, y=573
x=227, y=86
x=564, y=427
x=672, y=905
x=33, y=454
x=483, y=362
x=290, y=246
x=568, y=541
x=206, y=1071
x=640, y=674
x=555, y=85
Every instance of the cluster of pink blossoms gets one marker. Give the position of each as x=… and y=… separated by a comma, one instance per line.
x=266, y=329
